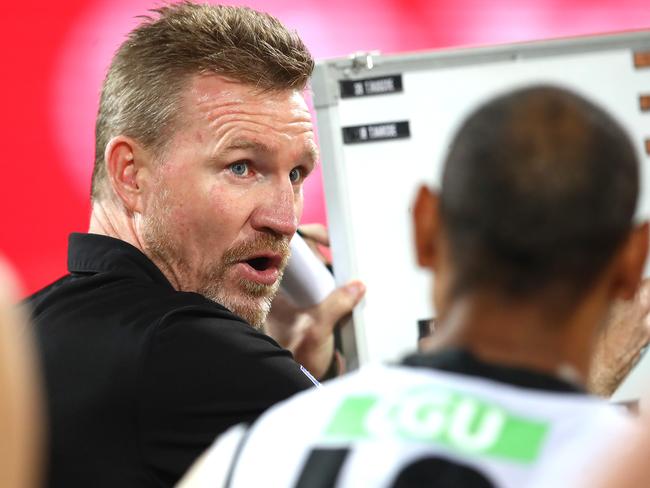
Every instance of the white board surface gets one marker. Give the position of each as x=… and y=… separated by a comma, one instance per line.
x=370, y=186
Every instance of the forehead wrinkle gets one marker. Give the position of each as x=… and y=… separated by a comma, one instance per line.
x=260, y=128
x=210, y=104
x=228, y=142
x=239, y=112
x=228, y=93
x=289, y=131
x=268, y=121
x=256, y=115
x=227, y=104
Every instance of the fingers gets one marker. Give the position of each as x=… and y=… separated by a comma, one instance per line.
x=315, y=232
x=20, y=402
x=317, y=238
x=643, y=298
x=315, y=348
x=339, y=303
x=9, y=287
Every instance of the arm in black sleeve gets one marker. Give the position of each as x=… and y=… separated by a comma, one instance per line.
x=202, y=374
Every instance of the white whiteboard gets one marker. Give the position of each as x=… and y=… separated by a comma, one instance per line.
x=370, y=186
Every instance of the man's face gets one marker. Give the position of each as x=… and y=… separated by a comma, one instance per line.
x=227, y=196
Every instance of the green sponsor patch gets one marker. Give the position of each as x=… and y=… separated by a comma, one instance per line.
x=452, y=419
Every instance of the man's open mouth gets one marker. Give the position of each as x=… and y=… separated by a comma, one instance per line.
x=259, y=263
x=263, y=268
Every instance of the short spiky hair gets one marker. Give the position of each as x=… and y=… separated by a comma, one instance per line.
x=142, y=90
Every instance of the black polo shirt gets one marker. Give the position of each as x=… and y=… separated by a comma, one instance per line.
x=140, y=378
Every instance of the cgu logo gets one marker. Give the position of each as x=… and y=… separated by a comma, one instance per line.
x=449, y=418
x=440, y=416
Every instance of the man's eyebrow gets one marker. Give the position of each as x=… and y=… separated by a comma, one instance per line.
x=247, y=144
x=311, y=153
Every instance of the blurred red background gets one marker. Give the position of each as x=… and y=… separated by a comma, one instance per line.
x=54, y=56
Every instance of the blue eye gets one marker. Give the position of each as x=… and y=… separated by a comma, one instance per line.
x=295, y=175
x=239, y=169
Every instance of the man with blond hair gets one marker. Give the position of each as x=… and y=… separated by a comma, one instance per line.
x=151, y=344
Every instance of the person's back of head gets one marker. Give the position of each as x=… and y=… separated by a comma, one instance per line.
x=538, y=193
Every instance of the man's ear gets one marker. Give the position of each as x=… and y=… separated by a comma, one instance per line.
x=426, y=227
x=631, y=262
x=126, y=166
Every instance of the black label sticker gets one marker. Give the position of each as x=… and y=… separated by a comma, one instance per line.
x=376, y=132
x=426, y=327
x=371, y=86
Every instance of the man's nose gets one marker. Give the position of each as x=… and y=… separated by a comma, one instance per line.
x=278, y=212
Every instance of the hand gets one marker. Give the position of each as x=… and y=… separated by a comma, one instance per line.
x=309, y=333
x=617, y=349
x=317, y=238
x=20, y=396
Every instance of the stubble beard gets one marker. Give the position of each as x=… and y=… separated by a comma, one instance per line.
x=249, y=300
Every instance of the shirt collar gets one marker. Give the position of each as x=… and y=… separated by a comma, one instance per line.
x=462, y=361
x=94, y=253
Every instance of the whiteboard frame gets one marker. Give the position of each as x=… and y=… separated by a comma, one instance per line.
x=326, y=97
